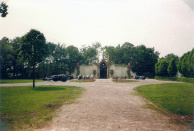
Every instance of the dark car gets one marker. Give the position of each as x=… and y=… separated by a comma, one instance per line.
x=55, y=78
x=64, y=78
x=60, y=77
x=70, y=77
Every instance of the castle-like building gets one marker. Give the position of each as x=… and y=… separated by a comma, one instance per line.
x=104, y=69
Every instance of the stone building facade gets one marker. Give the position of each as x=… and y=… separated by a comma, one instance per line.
x=104, y=69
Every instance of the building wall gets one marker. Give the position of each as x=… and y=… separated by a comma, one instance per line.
x=86, y=70
x=119, y=70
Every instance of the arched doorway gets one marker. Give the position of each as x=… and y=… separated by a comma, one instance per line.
x=103, y=70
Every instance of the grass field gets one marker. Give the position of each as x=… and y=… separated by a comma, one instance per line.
x=178, y=98
x=12, y=81
x=122, y=80
x=24, y=107
x=86, y=80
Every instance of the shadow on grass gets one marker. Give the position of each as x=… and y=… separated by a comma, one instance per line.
x=48, y=88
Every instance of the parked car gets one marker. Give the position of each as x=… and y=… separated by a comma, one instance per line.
x=64, y=78
x=142, y=77
x=55, y=78
x=136, y=77
x=60, y=77
x=48, y=78
x=70, y=77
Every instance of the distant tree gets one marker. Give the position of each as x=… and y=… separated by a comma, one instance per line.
x=161, y=67
x=90, y=53
x=73, y=56
x=6, y=57
x=172, y=68
x=3, y=9
x=170, y=56
x=186, y=64
x=17, y=60
x=122, y=54
x=34, y=49
x=144, y=61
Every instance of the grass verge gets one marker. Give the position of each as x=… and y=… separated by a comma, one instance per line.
x=122, y=80
x=177, y=98
x=25, y=107
x=12, y=81
x=86, y=80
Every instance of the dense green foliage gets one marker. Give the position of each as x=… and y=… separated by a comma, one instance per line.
x=3, y=9
x=55, y=59
x=170, y=56
x=186, y=64
x=142, y=59
x=167, y=66
x=178, y=98
x=24, y=107
x=89, y=54
x=161, y=67
x=182, y=79
x=172, y=68
x=51, y=60
x=33, y=49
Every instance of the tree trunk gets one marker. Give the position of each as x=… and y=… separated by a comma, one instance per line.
x=33, y=76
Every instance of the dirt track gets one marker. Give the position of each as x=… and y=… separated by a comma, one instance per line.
x=108, y=106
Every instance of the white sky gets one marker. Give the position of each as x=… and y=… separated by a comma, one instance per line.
x=166, y=25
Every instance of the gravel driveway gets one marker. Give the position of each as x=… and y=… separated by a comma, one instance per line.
x=109, y=106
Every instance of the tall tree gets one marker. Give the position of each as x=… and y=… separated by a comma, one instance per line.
x=73, y=56
x=17, y=61
x=90, y=53
x=186, y=64
x=3, y=9
x=161, y=67
x=6, y=57
x=34, y=49
x=172, y=68
x=144, y=61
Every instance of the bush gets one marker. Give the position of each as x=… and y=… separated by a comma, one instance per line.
x=182, y=79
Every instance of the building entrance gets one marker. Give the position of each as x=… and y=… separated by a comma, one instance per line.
x=103, y=70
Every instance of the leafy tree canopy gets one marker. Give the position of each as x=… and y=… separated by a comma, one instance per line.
x=170, y=56
x=172, y=68
x=3, y=9
x=34, y=49
x=186, y=64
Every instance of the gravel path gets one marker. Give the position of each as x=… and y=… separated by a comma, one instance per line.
x=108, y=106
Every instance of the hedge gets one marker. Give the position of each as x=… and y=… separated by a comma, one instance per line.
x=182, y=79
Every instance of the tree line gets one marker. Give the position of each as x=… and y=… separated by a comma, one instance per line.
x=141, y=58
x=21, y=55
x=32, y=56
x=171, y=64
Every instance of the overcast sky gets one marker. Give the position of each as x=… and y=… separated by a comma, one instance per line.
x=166, y=25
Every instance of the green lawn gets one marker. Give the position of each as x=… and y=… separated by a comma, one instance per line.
x=178, y=98
x=25, y=107
x=12, y=81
